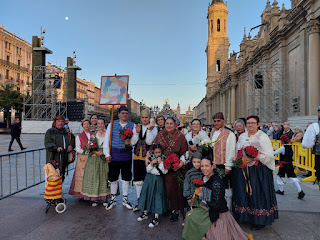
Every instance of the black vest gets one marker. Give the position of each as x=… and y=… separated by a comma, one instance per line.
x=287, y=157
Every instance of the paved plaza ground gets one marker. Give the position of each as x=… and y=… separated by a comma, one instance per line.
x=22, y=216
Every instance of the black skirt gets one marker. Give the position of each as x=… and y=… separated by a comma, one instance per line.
x=261, y=207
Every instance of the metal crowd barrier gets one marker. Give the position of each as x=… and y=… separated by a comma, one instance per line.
x=22, y=170
x=302, y=158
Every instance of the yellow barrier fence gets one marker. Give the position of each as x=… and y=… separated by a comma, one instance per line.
x=302, y=158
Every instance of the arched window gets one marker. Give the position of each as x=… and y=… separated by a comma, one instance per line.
x=218, y=25
x=218, y=66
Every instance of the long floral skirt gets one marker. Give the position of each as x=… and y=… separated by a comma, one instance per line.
x=95, y=179
x=261, y=207
x=76, y=183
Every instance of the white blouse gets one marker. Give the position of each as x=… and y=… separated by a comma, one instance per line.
x=261, y=141
x=78, y=144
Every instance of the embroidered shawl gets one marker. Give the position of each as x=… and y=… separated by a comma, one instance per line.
x=172, y=142
x=84, y=139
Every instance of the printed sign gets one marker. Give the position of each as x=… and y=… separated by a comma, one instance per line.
x=114, y=90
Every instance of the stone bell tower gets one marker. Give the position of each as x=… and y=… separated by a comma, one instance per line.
x=217, y=48
x=218, y=42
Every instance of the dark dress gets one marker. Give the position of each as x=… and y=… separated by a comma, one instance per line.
x=261, y=206
x=173, y=143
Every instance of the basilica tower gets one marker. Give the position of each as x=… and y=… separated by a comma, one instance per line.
x=217, y=48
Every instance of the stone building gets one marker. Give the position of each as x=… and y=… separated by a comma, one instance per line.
x=276, y=74
x=15, y=61
x=199, y=111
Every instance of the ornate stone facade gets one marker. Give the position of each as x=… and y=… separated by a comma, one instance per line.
x=15, y=61
x=284, y=56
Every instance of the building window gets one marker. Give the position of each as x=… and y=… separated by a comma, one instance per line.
x=8, y=58
x=19, y=63
x=17, y=49
x=218, y=25
x=28, y=66
x=276, y=107
x=7, y=74
x=218, y=66
x=18, y=77
x=28, y=80
x=296, y=104
x=6, y=45
x=211, y=26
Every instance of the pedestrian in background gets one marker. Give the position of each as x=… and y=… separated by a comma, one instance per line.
x=270, y=130
x=276, y=132
x=15, y=134
x=287, y=130
x=297, y=136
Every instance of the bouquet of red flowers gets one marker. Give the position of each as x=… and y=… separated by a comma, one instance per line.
x=92, y=145
x=125, y=134
x=198, y=182
x=250, y=152
x=173, y=162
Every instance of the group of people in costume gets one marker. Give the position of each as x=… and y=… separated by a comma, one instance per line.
x=248, y=193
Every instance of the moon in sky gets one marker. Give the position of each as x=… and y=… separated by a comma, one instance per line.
x=67, y=18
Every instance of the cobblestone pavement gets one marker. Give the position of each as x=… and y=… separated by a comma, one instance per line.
x=23, y=217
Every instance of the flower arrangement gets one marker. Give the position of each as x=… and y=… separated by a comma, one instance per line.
x=125, y=134
x=241, y=161
x=172, y=162
x=198, y=182
x=92, y=145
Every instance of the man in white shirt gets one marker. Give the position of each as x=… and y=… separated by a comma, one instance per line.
x=311, y=139
x=223, y=151
x=119, y=157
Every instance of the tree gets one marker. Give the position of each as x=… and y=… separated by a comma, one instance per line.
x=10, y=98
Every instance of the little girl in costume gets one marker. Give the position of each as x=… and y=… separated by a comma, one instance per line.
x=152, y=198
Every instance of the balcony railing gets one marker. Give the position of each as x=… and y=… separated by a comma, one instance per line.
x=14, y=65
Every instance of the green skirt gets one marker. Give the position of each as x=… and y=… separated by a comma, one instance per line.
x=95, y=179
x=197, y=224
x=153, y=197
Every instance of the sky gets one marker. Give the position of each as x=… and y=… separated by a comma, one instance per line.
x=159, y=44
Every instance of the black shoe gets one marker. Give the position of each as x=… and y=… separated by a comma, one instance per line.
x=301, y=194
x=23, y=148
x=280, y=192
x=308, y=174
x=10, y=150
x=174, y=217
x=256, y=227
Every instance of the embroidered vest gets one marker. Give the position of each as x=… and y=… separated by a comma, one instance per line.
x=219, y=149
x=141, y=146
x=117, y=141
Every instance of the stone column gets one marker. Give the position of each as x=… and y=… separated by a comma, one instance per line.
x=314, y=67
x=233, y=103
